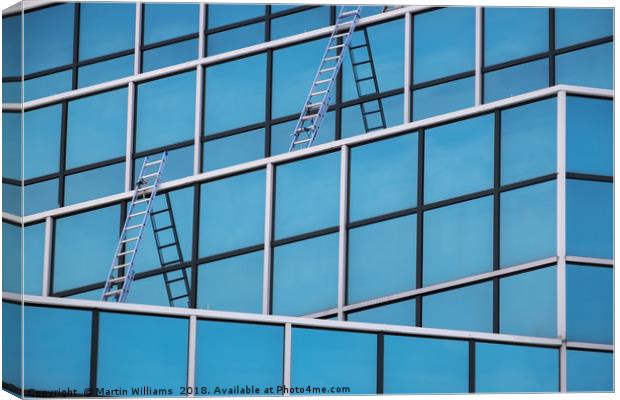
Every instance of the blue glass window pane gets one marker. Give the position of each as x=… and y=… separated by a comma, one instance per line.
x=527, y=224
x=153, y=291
x=231, y=150
x=458, y=158
x=307, y=195
x=47, y=85
x=237, y=38
x=294, y=68
x=589, y=135
x=12, y=346
x=401, y=313
x=156, y=356
x=172, y=54
x=281, y=133
x=230, y=354
x=351, y=356
x=92, y=118
x=34, y=238
x=232, y=213
x=528, y=141
x=382, y=259
x=514, y=368
x=469, y=308
x=592, y=66
x=522, y=78
x=95, y=183
x=275, y=8
x=305, y=276
x=577, y=25
x=589, y=304
x=443, y=98
x=300, y=22
x=11, y=47
x=106, y=28
x=511, y=33
x=388, y=167
x=165, y=112
x=167, y=21
x=589, y=219
x=387, y=45
x=77, y=245
x=179, y=164
x=183, y=213
x=590, y=371
x=11, y=145
x=234, y=86
x=528, y=303
x=458, y=240
x=12, y=258
x=48, y=38
x=225, y=14
x=353, y=123
x=11, y=92
x=41, y=141
x=443, y=43
x=232, y=284
x=104, y=71
x=423, y=365
x=12, y=199
x=41, y=196
x=56, y=348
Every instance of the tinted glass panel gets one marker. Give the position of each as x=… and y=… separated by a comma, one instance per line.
x=469, y=308
x=589, y=304
x=11, y=48
x=591, y=67
x=179, y=164
x=351, y=359
x=458, y=158
x=41, y=196
x=157, y=359
x=92, y=118
x=11, y=145
x=48, y=37
x=232, y=213
x=12, y=258
x=231, y=87
x=12, y=346
x=41, y=141
x=152, y=290
x=421, y=365
x=82, y=255
x=60, y=356
x=300, y=22
x=528, y=141
x=444, y=98
x=527, y=224
x=589, y=371
x=47, y=85
x=511, y=33
x=224, y=14
x=528, y=303
x=281, y=133
x=106, y=28
x=443, y=43
x=516, y=80
x=305, y=276
x=352, y=122
x=12, y=199
x=589, y=219
x=34, y=238
x=167, y=21
x=233, y=39
x=589, y=135
x=576, y=25
x=232, y=284
x=382, y=259
x=307, y=195
x=512, y=368
x=11, y=92
x=105, y=71
x=458, y=240
x=176, y=53
x=388, y=167
x=165, y=111
x=94, y=183
x=231, y=150
x=401, y=313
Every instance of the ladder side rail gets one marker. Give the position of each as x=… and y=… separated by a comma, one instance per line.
x=178, y=247
x=159, y=253
x=375, y=78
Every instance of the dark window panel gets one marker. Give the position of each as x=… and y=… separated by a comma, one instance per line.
x=401, y=313
x=11, y=47
x=443, y=98
x=224, y=14
x=11, y=145
x=589, y=371
x=235, y=149
x=12, y=340
x=592, y=67
x=12, y=92
x=12, y=195
x=167, y=21
x=94, y=183
x=577, y=25
x=511, y=81
x=106, y=28
x=47, y=85
x=104, y=71
x=42, y=141
x=300, y=22
x=234, y=39
x=172, y=54
x=41, y=196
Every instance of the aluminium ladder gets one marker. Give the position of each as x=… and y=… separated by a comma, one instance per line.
x=169, y=252
x=121, y=272
x=317, y=102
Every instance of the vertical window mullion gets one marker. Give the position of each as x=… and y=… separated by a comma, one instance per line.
x=420, y=227
x=479, y=56
x=408, y=68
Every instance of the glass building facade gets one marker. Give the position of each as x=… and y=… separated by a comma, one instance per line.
x=468, y=247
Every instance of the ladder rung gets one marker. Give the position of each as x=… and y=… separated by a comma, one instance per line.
x=321, y=81
x=305, y=129
x=116, y=280
x=302, y=141
x=149, y=175
x=318, y=93
x=347, y=13
x=341, y=35
x=371, y=112
x=361, y=63
x=364, y=79
x=126, y=252
x=140, y=201
x=122, y=266
x=170, y=262
x=311, y=116
x=160, y=211
x=133, y=227
x=137, y=214
x=146, y=188
x=175, y=280
x=178, y=297
x=359, y=46
x=113, y=293
x=167, y=245
x=336, y=46
x=162, y=228
x=148, y=164
x=129, y=240
x=332, y=58
x=313, y=105
x=376, y=127
x=327, y=70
